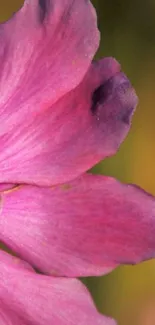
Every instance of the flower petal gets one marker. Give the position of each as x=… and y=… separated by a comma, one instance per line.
x=63, y=141
x=86, y=227
x=38, y=299
x=46, y=49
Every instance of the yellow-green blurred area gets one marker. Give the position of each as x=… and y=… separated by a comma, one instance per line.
x=128, y=33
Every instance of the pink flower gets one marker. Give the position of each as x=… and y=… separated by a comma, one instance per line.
x=60, y=114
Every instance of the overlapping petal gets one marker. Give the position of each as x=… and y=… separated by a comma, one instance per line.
x=46, y=49
x=86, y=227
x=64, y=140
x=27, y=298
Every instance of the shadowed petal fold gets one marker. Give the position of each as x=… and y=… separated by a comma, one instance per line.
x=64, y=140
x=85, y=227
x=29, y=298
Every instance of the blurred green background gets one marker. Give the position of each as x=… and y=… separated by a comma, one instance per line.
x=128, y=33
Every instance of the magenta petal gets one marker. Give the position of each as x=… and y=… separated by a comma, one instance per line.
x=29, y=298
x=46, y=49
x=86, y=227
x=63, y=141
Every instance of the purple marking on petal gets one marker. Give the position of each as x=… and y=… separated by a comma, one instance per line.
x=43, y=9
x=61, y=142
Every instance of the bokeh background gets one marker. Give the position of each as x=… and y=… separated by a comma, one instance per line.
x=128, y=33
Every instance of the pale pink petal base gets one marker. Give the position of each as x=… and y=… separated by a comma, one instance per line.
x=85, y=227
x=62, y=141
x=29, y=298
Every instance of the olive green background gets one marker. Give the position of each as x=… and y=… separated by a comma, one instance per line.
x=128, y=33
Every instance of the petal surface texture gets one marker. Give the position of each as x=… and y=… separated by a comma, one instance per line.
x=60, y=142
x=27, y=298
x=86, y=227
